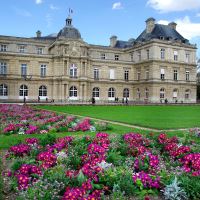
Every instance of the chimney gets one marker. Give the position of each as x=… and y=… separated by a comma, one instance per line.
x=150, y=24
x=172, y=25
x=38, y=34
x=113, y=41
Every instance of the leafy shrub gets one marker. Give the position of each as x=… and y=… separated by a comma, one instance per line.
x=115, y=158
x=174, y=191
x=191, y=185
x=47, y=139
x=43, y=190
x=17, y=164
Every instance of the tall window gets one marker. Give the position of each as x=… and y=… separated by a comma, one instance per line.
x=162, y=74
x=138, y=93
x=116, y=57
x=148, y=56
x=103, y=56
x=43, y=70
x=187, y=75
x=162, y=93
x=187, y=57
x=96, y=73
x=187, y=94
x=126, y=93
x=132, y=56
x=175, y=74
x=39, y=50
x=139, y=55
x=23, y=69
x=73, y=71
x=95, y=92
x=111, y=92
x=3, y=47
x=73, y=91
x=146, y=93
x=147, y=74
x=3, y=68
x=3, y=90
x=21, y=48
x=23, y=91
x=42, y=91
x=175, y=94
x=112, y=74
x=175, y=55
x=138, y=75
x=162, y=53
x=126, y=75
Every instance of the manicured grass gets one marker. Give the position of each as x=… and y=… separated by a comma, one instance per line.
x=158, y=117
x=6, y=141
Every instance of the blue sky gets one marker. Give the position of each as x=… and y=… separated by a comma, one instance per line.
x=97, y=20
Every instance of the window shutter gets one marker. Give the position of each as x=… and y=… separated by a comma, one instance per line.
x=162, y=71
x=112, y=74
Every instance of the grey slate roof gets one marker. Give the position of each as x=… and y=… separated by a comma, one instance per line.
x=164, y=31
x=69, y=32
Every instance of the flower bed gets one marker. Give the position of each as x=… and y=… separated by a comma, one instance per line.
x=105, y=166
x=16, y=119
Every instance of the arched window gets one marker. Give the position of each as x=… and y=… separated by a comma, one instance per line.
x=111, y=92
x=42, y=91
x=138, y=93
x=95, y=92
x=162, y=93
x=23, y=91
x=187, y=94
x=146, y=93
x=175, y=93
x=73, y=91
x=126, y=93
x=73, y=71
x=3, y=90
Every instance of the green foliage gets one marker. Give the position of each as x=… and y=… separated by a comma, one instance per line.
x=48, y=139
x=191, y=185
x=17, y=164
x=174, y=192
x=115, y=158
x=43, y=190
x=1, y=181
x=119, y=176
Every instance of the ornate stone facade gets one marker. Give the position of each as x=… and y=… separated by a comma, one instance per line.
x=158, y=65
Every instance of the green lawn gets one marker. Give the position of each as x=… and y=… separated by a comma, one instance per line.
x=159, y=117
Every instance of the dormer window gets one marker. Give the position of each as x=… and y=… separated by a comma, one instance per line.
x=162, y=54
x=175, y=55
x=116, y=57
x=39, y=50
x=22, y=49
x=103, y=56
x=3, y=47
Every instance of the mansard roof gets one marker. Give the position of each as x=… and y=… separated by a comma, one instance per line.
x=164, y=32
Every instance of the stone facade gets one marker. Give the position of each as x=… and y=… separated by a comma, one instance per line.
x=65, y=68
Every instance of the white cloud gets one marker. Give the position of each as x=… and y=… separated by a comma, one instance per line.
x=185, y=27
x=21, y=12
x=117, y=6
x=52, y=7
x=49, y=20
x=165, y=6
x=38, y=1
x=198, y=15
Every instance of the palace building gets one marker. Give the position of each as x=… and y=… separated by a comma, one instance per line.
x=160, y=64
